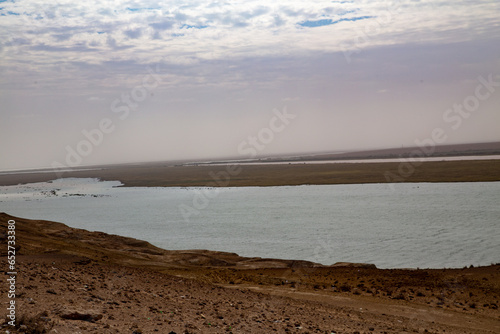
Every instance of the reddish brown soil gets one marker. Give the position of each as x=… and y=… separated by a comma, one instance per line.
x=75, y=281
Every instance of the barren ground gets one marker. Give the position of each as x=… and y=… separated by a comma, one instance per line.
x=167, y=175
x=75, y=281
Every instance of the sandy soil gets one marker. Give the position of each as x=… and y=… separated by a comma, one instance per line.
x=75, y=281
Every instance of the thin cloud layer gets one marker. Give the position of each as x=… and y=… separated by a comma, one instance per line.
x=214, y=30
x=224, y=65
x=172, y=32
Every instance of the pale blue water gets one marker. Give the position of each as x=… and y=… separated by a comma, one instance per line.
x=426, y=225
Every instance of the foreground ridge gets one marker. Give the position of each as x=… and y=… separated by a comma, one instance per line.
x=72, y=280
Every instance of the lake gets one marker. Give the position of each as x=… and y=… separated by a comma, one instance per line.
x=405, y=225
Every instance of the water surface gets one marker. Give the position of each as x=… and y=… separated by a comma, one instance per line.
x=426, y=225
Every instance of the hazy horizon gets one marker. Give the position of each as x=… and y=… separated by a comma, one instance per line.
x=271, y=156
x=133, y=81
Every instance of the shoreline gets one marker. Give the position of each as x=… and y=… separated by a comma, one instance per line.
x=346, y=160
x=163, y=175
x=58, y=231
x=73, y=200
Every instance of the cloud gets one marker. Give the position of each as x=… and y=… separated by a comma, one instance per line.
x=145, y=21
x=133, y=33
x=113, y=44
x=255, y=12
x=163, y=25
x=62, y=37
x=52, y=48
x=219, y=84
x=151, y=32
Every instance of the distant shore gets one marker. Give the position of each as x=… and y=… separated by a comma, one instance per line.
x=167, y=175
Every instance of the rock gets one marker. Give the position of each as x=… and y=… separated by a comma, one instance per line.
x=354, y=265
x=83, y=262
x=80, y=315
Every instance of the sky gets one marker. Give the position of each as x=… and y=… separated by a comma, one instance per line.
x=99, y=82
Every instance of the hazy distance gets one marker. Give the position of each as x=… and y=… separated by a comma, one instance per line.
x=109, y=82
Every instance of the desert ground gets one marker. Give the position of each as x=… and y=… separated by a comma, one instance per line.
x=75, y=281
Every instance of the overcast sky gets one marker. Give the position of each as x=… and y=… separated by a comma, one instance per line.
x=165, y=80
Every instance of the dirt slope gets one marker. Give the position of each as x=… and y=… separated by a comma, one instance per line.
x=75, y=281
